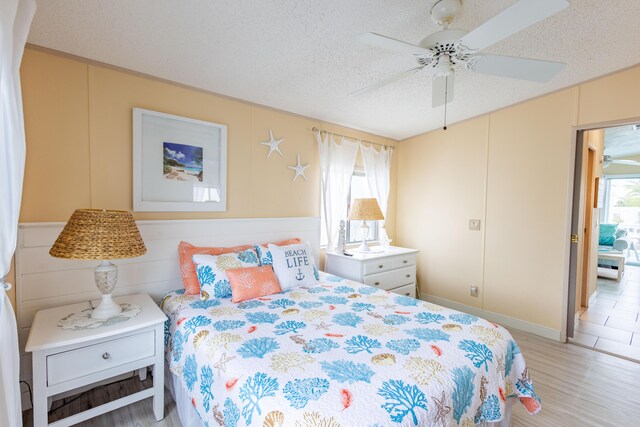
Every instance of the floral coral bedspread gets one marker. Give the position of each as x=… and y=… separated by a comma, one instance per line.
x=341, y=354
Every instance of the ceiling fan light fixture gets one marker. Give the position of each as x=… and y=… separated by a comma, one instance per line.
x=444, y=68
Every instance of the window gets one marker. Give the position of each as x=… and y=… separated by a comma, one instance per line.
x=622, y=204
x=359, y=189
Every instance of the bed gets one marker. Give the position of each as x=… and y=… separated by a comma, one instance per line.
x=339, y=354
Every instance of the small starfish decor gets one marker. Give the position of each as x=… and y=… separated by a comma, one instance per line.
x=221, y=364
x=442, y=410
x=273, y=144
x=299, y=169
x=322, y=325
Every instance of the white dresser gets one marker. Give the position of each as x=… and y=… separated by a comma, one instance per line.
x=393, y=270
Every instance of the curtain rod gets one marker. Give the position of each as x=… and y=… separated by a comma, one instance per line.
x=315, y=130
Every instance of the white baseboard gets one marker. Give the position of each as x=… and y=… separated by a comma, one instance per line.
x=522, y=325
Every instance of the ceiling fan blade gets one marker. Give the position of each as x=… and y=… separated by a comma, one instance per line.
x=388, y=80
x=517, y=68
x=510, y=21
x=626, y=162
x=442, y=90
x=384, y=42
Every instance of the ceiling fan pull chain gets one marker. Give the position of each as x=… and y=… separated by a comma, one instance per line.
x=446, y=100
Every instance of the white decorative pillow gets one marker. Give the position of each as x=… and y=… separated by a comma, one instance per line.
x=293, y=265
x=211, y=271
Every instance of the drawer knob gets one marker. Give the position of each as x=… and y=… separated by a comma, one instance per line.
x=408, y=275
x=106, y=356
x=380, y=266
x=405, y=261
x=408, y=294
x=377, y=283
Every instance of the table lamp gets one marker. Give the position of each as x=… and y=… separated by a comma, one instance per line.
x=365, y=210
x=100, y=235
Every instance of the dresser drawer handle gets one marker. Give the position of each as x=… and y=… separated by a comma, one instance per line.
x=408, y=294
x=377, y=283
x=106, y=356
x=380, y=266
x=408, y=275
x=405, y=261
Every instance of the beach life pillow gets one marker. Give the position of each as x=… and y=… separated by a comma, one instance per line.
x=188, y=268
x=264, y=255
x=252, y=282
x=293, y=265
x=214, y=282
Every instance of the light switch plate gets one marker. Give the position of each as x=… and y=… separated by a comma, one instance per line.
x=474, y=224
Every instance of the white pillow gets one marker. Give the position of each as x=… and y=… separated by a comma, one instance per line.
x=293, y=265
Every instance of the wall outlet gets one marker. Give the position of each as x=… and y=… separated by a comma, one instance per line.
x=474, y=224
x=473, y=291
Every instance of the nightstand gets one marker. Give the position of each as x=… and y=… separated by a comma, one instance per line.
x=393, y=270
x=66, y=359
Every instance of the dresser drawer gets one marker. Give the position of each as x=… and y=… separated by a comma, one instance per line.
x=407, y=290
x=391, y=279
x=77, y=363
x=403, y=260
x=374, y=266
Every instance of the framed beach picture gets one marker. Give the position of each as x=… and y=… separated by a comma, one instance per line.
x=179, y=164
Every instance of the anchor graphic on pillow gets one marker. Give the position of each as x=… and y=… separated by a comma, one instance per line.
x=299, y=275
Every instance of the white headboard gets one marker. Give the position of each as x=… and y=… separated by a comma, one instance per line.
x=43, y=281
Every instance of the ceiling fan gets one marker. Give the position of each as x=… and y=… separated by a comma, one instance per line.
x=607, y=161
x=448, y=49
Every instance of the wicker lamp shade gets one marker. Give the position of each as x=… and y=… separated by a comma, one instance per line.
x=365, y=210
x=100, y=235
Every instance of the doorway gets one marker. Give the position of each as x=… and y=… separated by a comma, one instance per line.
x=604, y=282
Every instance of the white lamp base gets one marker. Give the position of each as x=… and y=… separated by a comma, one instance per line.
x=106, y=309
x=364, y=247
x=106, y=276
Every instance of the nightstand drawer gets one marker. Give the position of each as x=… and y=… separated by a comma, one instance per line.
x=391, y=279
x=407, y=291
x=404, y=261
x=77, y=363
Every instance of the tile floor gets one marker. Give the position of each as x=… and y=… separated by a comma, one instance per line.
x=612, y=322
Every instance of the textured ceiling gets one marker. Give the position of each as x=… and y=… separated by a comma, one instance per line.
x=301, y=56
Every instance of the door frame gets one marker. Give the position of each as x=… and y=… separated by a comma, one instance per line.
x=571, y=250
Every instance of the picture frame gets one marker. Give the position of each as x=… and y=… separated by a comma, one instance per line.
x=179, y=164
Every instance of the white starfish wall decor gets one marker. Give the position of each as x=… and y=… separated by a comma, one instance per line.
x=273, y=143
x=299, y=169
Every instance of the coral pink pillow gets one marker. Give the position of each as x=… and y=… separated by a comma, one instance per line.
x=188, y=268
x=252, y=282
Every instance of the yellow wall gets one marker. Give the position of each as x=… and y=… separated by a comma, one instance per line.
x=79, y=150
x=512, y=170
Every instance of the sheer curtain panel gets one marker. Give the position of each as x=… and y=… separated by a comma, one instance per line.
x=377, y=167
x=15, y=19
x=337, y=162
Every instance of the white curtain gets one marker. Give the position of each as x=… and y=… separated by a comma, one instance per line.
x=15, y=20
x=337, y=162
x=377, y=167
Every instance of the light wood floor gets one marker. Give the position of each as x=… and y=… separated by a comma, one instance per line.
x=578, y=387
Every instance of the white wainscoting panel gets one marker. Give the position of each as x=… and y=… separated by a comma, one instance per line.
x=43, y=281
